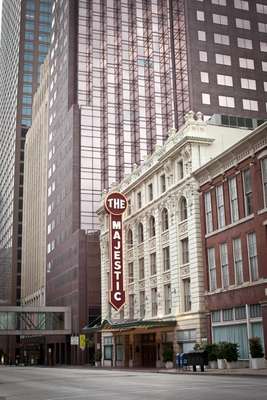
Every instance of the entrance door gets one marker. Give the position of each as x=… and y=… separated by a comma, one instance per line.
x=149, y=355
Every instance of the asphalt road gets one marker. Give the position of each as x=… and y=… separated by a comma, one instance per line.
x=17, y=383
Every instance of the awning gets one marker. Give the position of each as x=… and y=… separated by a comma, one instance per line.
x=125, y=325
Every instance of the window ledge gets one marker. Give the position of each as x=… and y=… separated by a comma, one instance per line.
x=226, y=227
x=260, y=281
x=262, y=211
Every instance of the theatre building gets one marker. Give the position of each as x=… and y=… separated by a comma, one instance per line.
x=162, y=270
x=233, y=189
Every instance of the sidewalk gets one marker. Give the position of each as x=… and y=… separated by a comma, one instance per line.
x=216, y=372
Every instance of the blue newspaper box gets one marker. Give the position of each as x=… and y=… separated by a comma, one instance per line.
x=183, y=360
x=177, y=360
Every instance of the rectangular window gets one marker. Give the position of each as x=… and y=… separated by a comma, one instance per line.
x=264, y=66
x=220, y=206
x=244, y=43
x=255, y=311
x=141, y=268
x=180, y=167
x=205, y=98
x=216, y=316
x=166, y=258
x=248, y=191
x=208, y=213
x=224, y=265
x=154, y=302
x=200, y=15
x=219, y=2
x=251, y=105
x=130, y=272
x=263, y=47
x=265, y=86
x=142, y=300
x=139, y=200
x=226, y=101
x=185, y=251
x=261, y=8
x=131, y=306
x=108, y=347
x=248, y=84
x=241, y=5
x=223, y=59
x=204, y=77
x=187, y=294
x=225, y=80
x=240, y=313
x=167, y=299
x=212, y=268
x=150, y=192
x=242, y=23
x=238, y=261
x=153, y=265
x=203, y=56
x=220, y=19
x=221, y=39
x=246, y=63
x=252, y=256
x=233, y=199
x=201, y=35
x=228, y=314
x=262, y=27
x=163, y=183
x=264, y=179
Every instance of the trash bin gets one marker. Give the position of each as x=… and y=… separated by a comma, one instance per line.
x=177, y=360
x=195, y=358
x=183, y=360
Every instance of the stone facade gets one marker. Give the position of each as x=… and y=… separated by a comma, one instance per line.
x=35, y=199
x=163, y=265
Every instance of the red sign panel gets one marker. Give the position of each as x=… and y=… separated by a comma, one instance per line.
x=115, y=205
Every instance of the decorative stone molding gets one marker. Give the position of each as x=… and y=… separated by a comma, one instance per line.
x=165, y=237
x=166, y=277
x=152, y=243
x=130, y=253
x=131, y=288
x=183, y=228
x=153, y=281
x=142, y=284
x=185, y=270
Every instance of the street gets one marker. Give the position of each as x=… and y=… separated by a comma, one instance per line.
x=19, y=383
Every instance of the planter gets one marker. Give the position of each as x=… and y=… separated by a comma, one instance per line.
x=221, y=363
x=232, y=364
x=257, y=363
x=168, y=364
x=213, y=364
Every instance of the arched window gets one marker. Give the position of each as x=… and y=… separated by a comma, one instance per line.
x=140, y=233
x=183, y=209
x=130, y=238
x=152, y=229
x=164, y=220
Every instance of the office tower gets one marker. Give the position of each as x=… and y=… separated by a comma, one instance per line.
x=33, y=267
x=25, y=41
x=227, y=45
x=121, y=74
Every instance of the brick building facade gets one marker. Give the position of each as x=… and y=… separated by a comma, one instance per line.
x=233, y=198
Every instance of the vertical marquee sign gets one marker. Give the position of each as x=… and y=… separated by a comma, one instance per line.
x=115, y=204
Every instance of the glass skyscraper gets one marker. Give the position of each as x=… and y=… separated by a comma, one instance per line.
x=25, y=40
